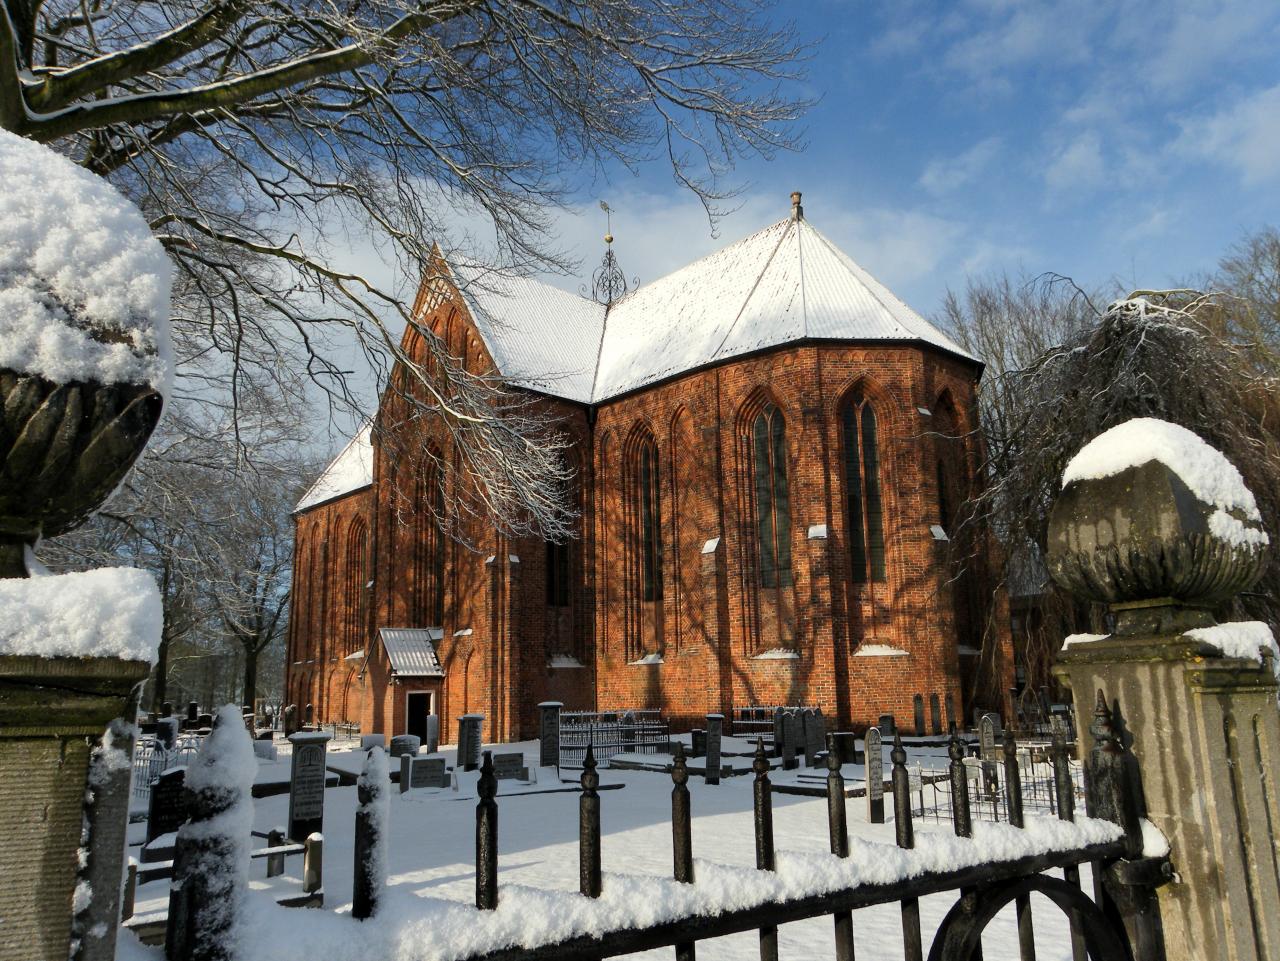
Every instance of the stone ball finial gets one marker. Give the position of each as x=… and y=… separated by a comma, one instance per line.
x=1150, y=512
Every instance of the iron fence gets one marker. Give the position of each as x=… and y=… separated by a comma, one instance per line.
x=757, y=720
x=609, y=733
x=151, y=758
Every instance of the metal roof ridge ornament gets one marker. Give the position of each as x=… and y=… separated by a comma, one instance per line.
x=609, y=283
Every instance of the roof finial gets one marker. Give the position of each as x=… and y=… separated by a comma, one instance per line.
x=797, y=212
x=608, y=283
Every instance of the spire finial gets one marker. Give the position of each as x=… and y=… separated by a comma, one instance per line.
x=797, y=211
x=608, y=283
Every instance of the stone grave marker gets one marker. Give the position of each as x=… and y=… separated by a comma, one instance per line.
x=167, y=733
x=549, y=733
x=918, y=704
x=790, y=740
x=403, y=744
x=193, y=713
x=779, y=723
x=369, y=741
x=715, y=730
x=422, y=772
x=166, y=709
x=888, y=725
x=935, y=713
x=265, y=749
x=510, y=767
x=205, y=722
x=697, y=742
x=875, y=777
x=306, y=784
x=167, y=810
x=433, y=733
x=949, y=701
x=846, y=743
x=815, y=737
x=987, y=744
x=470, y=727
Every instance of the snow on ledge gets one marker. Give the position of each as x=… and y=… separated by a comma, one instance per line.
x=1074, y=639
x=111, y=612
x=414, y=928
x=1204, y=469
x=565, y=661
x=777, y=654
x=653, y=658
x=880, y=650
x=1243, y=639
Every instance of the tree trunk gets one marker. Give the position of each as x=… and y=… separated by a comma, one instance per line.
x=250, y=675
x=162, y=673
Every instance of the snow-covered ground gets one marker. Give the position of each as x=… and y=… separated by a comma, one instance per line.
x=431, y=869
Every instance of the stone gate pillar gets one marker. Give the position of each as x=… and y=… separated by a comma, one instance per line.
x=1197, y=699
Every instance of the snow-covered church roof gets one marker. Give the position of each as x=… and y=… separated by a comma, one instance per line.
x=783, y=284
x=351, y=470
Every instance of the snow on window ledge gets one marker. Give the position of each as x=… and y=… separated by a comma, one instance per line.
x=110, y=612
x=564, y=661
x=880, y=650
x=654, y=658
x=777, y=654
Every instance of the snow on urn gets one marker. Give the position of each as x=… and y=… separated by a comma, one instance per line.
x=1149, y=512
x=84, y=344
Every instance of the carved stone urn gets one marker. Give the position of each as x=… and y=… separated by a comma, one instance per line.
x=63, y=449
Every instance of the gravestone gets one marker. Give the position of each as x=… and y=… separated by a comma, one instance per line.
x=888, y=725
x=403, y=744
x=193, y=712
x=875, y=777
x=369, y=741
x=779, y=722
x=846, y=743
x=510, y=767
x=306, y=784
x=549, y=733
x=204, y=722
x=935, y=713
x=949, y=700
x=790, y=740
x=166, y=709
x=987, y=743
x=469, y=732
x=290, y=719
x=167, y=810
x=167, y=733
x=433, y=733
x=628, y=721
x=815, y=737
x=265, y=749
x=697, y=742
x=422, y=772
x=918, y=703
x=715, y=730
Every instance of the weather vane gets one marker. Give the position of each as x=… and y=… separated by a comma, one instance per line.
x=608, y=283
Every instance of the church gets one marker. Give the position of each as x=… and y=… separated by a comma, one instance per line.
x=769, y=451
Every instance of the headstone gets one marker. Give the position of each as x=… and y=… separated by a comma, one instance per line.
x=204, y=722
x=264, y=734
x=167, y=732
x=715, y=730
x=549, y=733
x=888, y=725
x=308, y=714
x=167, y=810
x=815, y=737
x=290, y=719
x=369, y=741
x=846, y=743
x=697, y=742
x=779, y=723
x=1015, y=705
x=265, y=749
x=987, y=743
x=469, y=733
x=790, y=740
x=306, y=784
x=935, y=713
x=875, y=777
x=403, y=744
x=193, y=712
x=949, y=700
x=510, y=767
x=422, y=772
x=918, y=703
x=433, y=733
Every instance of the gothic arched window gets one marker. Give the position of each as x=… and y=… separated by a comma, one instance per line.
x=863, y=504
x=357, y=582
x=773, y=509
x=649, y=517
x=428, y=549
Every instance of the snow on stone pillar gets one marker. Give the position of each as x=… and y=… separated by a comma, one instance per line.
x=370, y=875
x=1160, y=526
x=211, y=857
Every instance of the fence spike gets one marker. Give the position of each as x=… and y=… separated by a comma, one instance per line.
x=960, y=814
x=589, y=828
x=487, y=837
x=1109, y=792
x=1063, y=785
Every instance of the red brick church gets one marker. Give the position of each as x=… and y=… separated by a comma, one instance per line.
x=770, y=452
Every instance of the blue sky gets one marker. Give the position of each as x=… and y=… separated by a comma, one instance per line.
x=1124, y=140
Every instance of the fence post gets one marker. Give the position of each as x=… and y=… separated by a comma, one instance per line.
x=763, y=791
x=837, y=820
x=682, y=834
x=589, y=880
x=961, y=819
x=913, y=948
x=275, y=862
x=370, y=869
x=1013, y=802
x=487, y=837
x=313, y=864
x=1064, y=793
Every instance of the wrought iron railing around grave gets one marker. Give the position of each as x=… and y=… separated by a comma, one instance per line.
x=757, y=720
x=610, y=733
x=151, y=758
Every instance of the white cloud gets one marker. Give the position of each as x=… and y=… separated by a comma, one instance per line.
x=1244, y=136
x=947, y=174
x=1078, y=165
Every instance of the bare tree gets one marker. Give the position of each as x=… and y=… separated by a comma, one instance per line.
x=258, y=135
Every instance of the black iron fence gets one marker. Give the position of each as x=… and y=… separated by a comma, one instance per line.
x=609, y=733
x=757, y=720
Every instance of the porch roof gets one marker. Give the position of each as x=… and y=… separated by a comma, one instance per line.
x=412, y=650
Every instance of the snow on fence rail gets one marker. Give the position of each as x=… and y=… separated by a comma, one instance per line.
x=988, y=865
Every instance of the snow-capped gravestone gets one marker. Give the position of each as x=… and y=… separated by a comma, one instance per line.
x=422, y=772
x=510, y=767
x=1160, y=526
x=875, y=776
x=371, y=835
x=791, y=731
x=469, y=733
x=403, y=744
x=306, y=784
x=433, y=733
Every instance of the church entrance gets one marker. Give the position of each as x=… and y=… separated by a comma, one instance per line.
x=418, y=706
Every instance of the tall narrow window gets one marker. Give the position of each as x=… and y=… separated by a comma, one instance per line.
x=862, y=491
x=558, y=574
x=650, y=518
x=773, y=508
x=428, y=548
x=357, y=583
